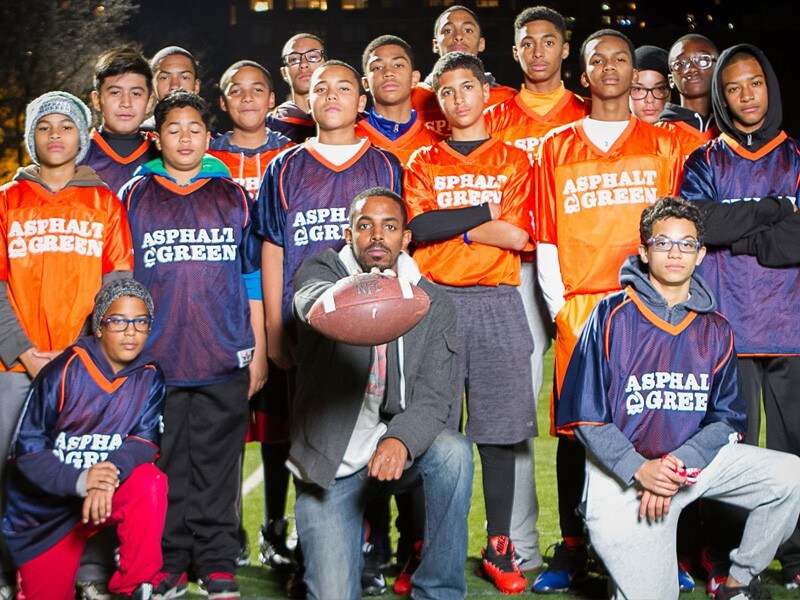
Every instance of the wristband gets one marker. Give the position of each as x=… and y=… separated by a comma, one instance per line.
x=467, y=241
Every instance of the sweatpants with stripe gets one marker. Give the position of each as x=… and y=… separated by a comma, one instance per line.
x=640, y=555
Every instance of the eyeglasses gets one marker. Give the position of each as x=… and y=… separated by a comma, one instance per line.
x=312, y=56
x=665, y=244
x=118, y=324
x=701, y=61
x=659, y=93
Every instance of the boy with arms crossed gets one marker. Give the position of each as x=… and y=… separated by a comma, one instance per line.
x=62, y=490
x=652, y=393
x=123, y=95
x=596, y=175
x=63, y=234
x=191, y=228
x=751, y=159
x=469, y=199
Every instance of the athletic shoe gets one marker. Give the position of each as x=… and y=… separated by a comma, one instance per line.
x=8, y=592
x=402, y=585
x=143, y=591
x=220, y=586
x=685, y=580
x=91, y=590
x=794, y=583
x=169, y=585
x=500, y=565
x=274, y=551
x=373, y=583
x=564, y=568
x=756, y=590
x=243, y=558
x=717, y=572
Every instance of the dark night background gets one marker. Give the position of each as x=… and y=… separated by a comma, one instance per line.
x=220, y=32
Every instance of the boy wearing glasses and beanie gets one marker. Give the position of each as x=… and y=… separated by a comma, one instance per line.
x=63, y=234
x=691, y=64
x=652, y=393
x=651, y=92
x=83, y=452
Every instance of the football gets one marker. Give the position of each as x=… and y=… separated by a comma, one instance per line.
x=368, y=309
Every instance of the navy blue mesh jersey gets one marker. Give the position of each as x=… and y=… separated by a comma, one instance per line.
x=78, y=413
x=191, y=246
x=292, y=121
x=760, y=302
x=658, y=383
x=303, y=201
x=113, y=169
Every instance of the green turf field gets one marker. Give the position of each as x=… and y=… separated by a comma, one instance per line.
x=259, y=582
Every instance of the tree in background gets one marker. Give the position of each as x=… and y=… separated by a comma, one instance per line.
x=49, y=45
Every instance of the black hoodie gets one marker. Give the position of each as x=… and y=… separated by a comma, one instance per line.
x=772, y=122
x=676, y=112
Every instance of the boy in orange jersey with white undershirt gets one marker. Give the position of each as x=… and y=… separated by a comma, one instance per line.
x=595, y=177
x=469, y=199
x=389, y=77
x=543, y=103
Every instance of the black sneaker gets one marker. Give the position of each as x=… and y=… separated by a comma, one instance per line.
x=220, y=586
x=243, y=558
x=274, y=551
x=373, y=583
x=564, y=568
x=170, y=585
x=756, y=590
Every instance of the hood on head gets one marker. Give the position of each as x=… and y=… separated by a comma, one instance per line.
x=772, y=123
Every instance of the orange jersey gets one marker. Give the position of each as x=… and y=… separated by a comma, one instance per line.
x=689, y=137
x=404, y=146
x=424, y=101
x=589, y=201
x=514, y=123
x=54, y=250
x=439, y=178
x=248, y=167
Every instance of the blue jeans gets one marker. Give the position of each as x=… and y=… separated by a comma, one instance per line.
x=329, y=524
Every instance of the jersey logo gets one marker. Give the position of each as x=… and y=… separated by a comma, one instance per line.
x=245, y=357
x=663, y=390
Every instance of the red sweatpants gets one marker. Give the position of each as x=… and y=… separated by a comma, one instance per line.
x=138, y=510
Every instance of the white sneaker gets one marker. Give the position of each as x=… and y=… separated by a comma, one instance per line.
x=93, y=590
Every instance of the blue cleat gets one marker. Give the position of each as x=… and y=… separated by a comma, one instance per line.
x=564, y=568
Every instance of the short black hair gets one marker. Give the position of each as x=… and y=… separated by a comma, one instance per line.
x=170, y=51
x=228, y=74
x=454, y=8
x=181, y=99
x=458, y=60
x=118, y=61
x=341, y=63
x=694, y=37
x=670, y=207
x=541, y=13
x=386, y=40
x=300, y=36
x=381, y=192
x=610, y=33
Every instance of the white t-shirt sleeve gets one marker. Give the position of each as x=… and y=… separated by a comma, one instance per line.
x=549, y=273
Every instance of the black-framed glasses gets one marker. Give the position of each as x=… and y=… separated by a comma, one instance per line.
x=701, y=61
x=312, y=56
x=120, y=324
x=665, y=244
x=660, y=92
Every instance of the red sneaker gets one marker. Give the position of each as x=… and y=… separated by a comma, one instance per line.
x=500, y=566
x=402, y=585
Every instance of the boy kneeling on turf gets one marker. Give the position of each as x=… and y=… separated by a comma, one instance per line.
x=652, y=393
x=83, y=453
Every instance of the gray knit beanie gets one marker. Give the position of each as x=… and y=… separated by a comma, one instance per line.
x=62, y=103
x=113, y=291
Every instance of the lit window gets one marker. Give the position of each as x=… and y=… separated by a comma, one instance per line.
x=632, y=5
x=354, y=4
x=487, y=3
x=606, y=20
x=605, y=7
x=314, y=4
x=444, y=3
x=260, y=5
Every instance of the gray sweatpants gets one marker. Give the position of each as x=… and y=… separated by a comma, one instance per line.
x=13, y=392
x=640, y=555
x=525, y=512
